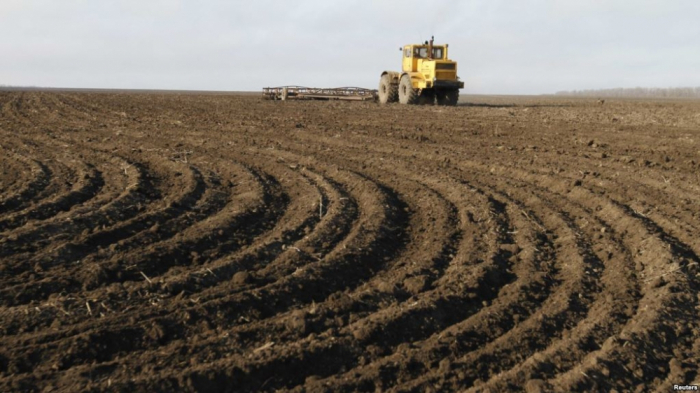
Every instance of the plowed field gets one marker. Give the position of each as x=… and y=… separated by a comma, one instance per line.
x=168, y=242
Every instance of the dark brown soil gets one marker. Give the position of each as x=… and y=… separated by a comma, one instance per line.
x=175, y=242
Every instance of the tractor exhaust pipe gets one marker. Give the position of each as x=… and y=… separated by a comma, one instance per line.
x=430, y=47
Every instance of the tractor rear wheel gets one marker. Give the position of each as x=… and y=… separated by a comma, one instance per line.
x=388, y=91
x=407, y=94
x=447, y=97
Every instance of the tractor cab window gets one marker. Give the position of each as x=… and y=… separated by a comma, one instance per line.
x=420, y=52
x=407, y=52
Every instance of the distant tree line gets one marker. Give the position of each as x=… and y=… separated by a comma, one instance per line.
x=656, y=92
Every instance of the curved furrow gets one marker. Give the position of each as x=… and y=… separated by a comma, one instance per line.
x=664, y=201
x=675, y=242
x=355, y=253
x=587, y=251
x=642, y=190
x=420, y=285
x=294, y=326
x=339, y=213
x=613, y=303
x=76, y=183
x=116, y=235
x=660, y=181
x=55, y=175
x=414, y=277
x=414, y=314
x=665, y=214
x=244, y=219
x=88, y=182
x=285, y=249
x=247, y=203
x=118, y=197
x=530, y=259
x=382, y=222
x=101, y=272
x=238, y=226
x=600, y=176
x=558, y=318
x=660, y=194
x=655, y=200
x=28, y=186
x=101, y=230
x=406, y=281
x=651, y=253
x=118, y=194
x=664, y=297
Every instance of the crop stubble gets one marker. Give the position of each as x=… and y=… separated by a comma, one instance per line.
x=159, y=242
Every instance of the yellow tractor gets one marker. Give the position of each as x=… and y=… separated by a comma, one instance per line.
x=427, y=75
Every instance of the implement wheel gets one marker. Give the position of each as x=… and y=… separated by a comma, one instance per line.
x=388, y=91
x=407, y=95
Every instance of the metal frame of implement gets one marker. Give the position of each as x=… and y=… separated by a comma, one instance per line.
x=312, y=93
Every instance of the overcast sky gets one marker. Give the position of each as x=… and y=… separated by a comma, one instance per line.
x=503, y=47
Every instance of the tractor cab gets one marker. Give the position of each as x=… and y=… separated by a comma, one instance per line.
x=414, y=55
x=422, y=57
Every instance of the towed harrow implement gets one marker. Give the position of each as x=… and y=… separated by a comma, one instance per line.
x=312, y=93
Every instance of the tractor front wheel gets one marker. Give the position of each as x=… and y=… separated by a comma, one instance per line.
x=407, y=94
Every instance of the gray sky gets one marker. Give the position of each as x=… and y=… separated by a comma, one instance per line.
x=503, y=47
